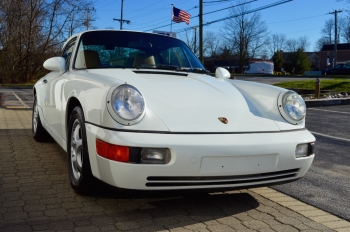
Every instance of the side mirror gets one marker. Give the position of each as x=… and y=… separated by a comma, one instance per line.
x=222, y=73
x=55, y=64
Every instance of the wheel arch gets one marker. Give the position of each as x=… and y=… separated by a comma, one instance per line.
x=72, y=103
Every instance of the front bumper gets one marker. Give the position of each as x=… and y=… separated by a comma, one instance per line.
x=203, y=161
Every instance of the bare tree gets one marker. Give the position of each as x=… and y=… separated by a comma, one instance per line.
x=343, y=0
x=292, y=45
x=320, y=43
x=303, y=43
x=191, y=40
x=344, y=26
x=244, y=32
x=258, y=47
x=211, y=44
x=32, y=31
x=265, y=55
x=328, y=30
x=277, y=42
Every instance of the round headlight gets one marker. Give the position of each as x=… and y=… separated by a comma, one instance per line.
x=294, y=106
x=127, y=102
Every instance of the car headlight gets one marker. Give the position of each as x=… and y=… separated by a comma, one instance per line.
x=292, y=107
x=127, y=103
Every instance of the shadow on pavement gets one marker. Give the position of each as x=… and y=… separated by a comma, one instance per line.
x=35, y=193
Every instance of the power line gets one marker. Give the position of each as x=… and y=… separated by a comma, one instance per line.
x=217, y=2
x=225, y=8
x=158, y=10
x=206, y=13
x=292, y=20
x=146, y=6
x=159, y=19
x=303, y=30
x=107, y=4
x=170, y=23
x=236, y=15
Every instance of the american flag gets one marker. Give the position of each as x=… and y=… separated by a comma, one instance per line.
x=181, y=16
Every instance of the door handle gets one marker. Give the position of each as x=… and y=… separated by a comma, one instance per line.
x=45, y=81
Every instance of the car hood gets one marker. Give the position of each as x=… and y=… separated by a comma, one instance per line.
x=188, y=102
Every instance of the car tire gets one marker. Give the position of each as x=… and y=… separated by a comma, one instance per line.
x=78, y=155
x=38, y=131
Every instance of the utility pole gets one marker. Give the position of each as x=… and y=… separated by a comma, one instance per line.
x=201, y=58
x=71, y=22
x=121, y=20
x=336, y=35
x=88, y=17
x=195, y=40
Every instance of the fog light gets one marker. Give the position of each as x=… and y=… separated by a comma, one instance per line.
x=303, y=150
x=155, y=156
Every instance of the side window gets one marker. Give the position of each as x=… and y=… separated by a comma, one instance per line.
x=338, y=66
x=67, y=53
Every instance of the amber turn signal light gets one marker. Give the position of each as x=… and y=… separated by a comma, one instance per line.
x=112, y=152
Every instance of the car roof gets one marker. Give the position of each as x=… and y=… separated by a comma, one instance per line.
x=80, y=33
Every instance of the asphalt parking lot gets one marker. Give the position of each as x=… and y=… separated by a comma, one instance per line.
x=327, y=182
x=35, y=194
x=18, y=97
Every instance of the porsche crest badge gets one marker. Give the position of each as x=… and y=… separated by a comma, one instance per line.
x=223, y=120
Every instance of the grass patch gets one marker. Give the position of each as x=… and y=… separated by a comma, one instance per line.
x=18, y=85
x=336, y=85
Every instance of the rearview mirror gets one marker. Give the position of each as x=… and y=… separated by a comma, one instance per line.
x=55, y=64
x=222, y=73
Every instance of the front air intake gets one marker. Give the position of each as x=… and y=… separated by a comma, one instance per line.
x=175, y=181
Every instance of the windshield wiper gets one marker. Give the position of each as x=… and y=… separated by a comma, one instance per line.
x=185, y=69
x=195, y=70
x=168, y=67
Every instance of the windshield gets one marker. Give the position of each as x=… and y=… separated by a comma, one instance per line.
x=122, y=49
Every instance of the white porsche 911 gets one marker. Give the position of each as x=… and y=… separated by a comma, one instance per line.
x=139, y=111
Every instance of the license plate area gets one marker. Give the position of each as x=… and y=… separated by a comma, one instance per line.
x=239, y=164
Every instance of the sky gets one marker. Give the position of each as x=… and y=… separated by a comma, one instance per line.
x=295, y=18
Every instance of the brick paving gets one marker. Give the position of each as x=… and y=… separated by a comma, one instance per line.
x=35, y=195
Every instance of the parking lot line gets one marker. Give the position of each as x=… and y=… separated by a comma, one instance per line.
x=20, y=100
x=329, y=136
x=339, y=112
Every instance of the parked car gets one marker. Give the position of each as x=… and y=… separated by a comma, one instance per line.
x=139, y=111
x=339, y=69
x=262, y=67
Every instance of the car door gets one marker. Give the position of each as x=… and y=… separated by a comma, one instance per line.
x=341, y=70
x=53, y=87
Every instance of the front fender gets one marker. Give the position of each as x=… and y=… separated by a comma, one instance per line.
x=92, y=96
x=266, y=96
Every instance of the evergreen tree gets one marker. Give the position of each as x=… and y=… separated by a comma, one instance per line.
x=300, y=61
x=278, y=60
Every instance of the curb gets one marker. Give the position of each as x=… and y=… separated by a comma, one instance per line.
x=326, y=102
x=313, y=213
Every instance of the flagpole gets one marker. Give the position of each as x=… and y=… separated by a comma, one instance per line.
x=171, y=19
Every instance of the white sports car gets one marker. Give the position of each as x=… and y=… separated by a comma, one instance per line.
x=139, y=111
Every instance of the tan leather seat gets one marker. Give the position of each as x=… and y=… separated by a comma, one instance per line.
x=88, y=59
x=144, y=60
